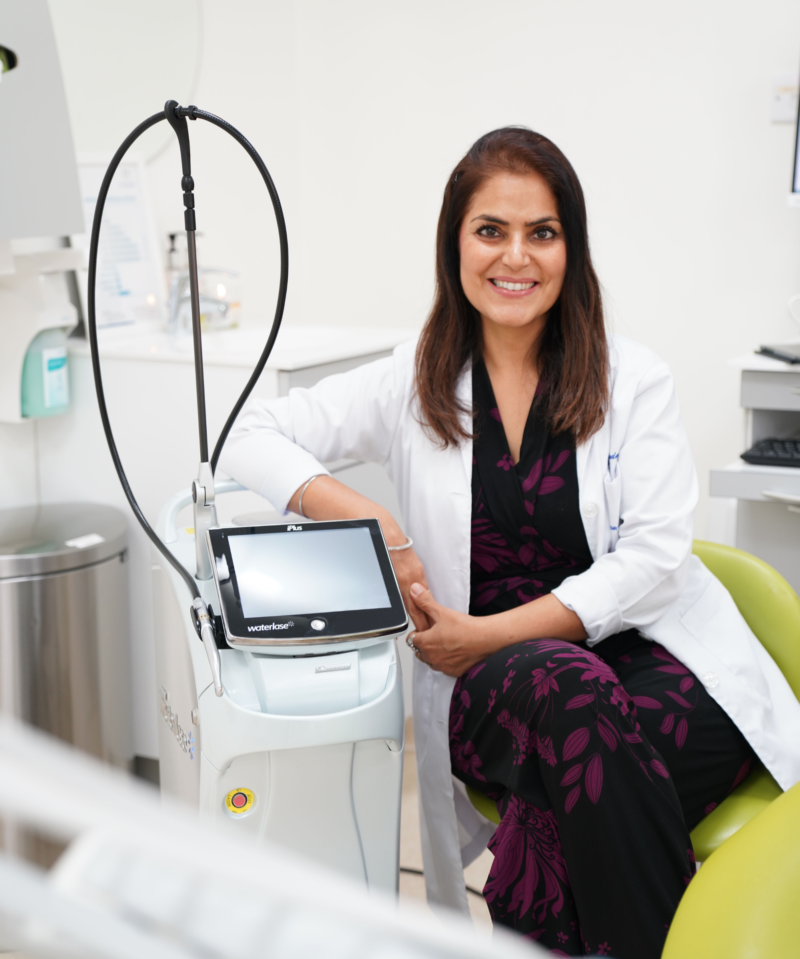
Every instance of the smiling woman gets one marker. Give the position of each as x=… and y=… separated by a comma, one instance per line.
x=562, y=626
x=513, y=263
x=514, y=213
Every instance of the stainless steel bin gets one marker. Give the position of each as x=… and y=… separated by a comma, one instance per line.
x=64, y=651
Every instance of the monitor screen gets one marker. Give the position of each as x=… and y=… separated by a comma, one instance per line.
x=281, y=574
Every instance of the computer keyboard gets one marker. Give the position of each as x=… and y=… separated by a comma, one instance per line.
x=771, y=452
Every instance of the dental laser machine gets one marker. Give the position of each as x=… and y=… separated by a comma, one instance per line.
x=279, y=686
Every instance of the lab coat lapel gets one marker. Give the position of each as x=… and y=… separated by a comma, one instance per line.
x=591, y=459
x=464, y=397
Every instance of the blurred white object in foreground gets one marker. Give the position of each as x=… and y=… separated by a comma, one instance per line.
x=141, y=878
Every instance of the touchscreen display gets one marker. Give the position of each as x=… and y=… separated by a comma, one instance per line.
x=315, y=571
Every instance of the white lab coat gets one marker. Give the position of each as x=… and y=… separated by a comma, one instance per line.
x=638, y=490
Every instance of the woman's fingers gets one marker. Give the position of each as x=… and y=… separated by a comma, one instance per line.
x=450, y=645
x=409, y=570
x=418, y=617
x=422, y=604
x=423, y=598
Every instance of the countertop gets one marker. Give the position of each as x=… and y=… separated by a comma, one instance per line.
x=297, y=347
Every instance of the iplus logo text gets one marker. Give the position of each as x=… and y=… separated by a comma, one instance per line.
x=266, y=627
x=297, y=529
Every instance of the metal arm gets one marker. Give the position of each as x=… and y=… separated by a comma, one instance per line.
x=205, y=517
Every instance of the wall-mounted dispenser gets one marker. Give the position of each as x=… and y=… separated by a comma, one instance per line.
x=45, y=375
x=33, y=299
x=40, y=201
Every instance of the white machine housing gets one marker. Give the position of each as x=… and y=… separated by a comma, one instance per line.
x=313, y=736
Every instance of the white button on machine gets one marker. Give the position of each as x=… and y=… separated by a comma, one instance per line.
x=711, y=680
x=317, y=624
x=589, y=508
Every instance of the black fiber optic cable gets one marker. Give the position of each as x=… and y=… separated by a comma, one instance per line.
x=192, y=113
x=98, y=377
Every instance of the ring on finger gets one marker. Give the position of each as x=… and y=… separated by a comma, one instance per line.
x=410, y=642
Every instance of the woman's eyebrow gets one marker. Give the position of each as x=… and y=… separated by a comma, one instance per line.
x=496, y=219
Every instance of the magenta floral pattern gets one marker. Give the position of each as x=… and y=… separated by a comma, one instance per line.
x=529, y=875
x=494, y=556
x=517, y=510
x=601, y=760
x=553, y=720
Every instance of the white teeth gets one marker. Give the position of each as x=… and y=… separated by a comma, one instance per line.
x=504, y=285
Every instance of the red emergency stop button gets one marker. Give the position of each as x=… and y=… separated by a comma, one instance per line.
x=239, y=801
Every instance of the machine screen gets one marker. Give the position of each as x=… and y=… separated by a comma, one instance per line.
x=305, y=584
x=282, y=574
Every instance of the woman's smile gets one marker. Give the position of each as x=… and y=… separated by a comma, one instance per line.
x=508, y=286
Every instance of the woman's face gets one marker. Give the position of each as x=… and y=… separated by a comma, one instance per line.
x=513, y=252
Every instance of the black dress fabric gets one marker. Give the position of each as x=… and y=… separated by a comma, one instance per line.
x=527, y=536
x=602, y=760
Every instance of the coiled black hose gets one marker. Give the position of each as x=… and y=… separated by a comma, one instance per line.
x=192, y=113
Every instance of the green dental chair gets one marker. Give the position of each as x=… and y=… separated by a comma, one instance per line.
x=743, y=902
x=771, y=609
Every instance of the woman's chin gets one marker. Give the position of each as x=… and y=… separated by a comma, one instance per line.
x=525, y=321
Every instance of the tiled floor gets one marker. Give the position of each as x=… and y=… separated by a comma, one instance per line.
x=413, y=887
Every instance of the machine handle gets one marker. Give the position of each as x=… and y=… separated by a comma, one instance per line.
x=210, y=643
x=790, y=499
x=173, y=507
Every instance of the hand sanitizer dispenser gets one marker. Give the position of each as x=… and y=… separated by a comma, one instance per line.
x=40, y=201
x=35, y=316
x=45, y=375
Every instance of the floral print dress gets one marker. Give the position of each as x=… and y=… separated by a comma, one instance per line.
x=601, y=760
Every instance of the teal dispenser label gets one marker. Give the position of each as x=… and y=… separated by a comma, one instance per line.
x=55, y=376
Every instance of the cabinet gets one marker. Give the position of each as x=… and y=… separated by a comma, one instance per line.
x=767, y=497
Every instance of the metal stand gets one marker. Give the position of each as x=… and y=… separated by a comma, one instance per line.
x=205, y=513
x=203, y=496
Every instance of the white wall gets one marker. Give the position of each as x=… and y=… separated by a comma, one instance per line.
x=18, y=472
x=361, y=108
x=663, y=110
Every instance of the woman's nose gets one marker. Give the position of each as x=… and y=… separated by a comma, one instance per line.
x=516, y=255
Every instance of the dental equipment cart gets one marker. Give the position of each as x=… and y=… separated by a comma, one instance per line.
x=279, y=683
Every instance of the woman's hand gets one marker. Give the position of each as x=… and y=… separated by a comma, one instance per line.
x=455, y=642
x=409, y=570
x=452, y=644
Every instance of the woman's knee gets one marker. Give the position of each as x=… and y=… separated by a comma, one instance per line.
x=551, y=666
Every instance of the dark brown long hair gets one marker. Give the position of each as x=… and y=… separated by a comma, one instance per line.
x=572, y=353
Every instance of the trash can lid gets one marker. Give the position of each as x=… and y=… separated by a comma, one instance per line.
x=59, y=537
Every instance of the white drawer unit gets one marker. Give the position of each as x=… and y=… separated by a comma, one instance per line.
x=771, y=390
x=767, y=497
x=763, y=484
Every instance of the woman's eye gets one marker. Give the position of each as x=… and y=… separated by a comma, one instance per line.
x=488, y=230
x=544, y=233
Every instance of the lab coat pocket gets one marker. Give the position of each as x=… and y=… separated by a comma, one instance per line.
x=613, y=493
